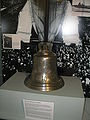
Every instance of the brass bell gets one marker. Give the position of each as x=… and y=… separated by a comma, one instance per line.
x=44, y=75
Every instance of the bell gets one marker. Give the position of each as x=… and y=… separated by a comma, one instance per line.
x=44, y=75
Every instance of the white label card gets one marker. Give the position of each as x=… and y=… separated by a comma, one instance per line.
x=38, y=110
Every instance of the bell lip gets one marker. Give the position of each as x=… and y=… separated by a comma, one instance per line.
x=45, y=88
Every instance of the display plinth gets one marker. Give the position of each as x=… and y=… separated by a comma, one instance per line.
x=68, y=101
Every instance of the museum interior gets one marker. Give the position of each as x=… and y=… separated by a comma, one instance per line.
x=73, y=59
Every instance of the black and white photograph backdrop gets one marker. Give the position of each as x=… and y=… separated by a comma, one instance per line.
x=71, y=44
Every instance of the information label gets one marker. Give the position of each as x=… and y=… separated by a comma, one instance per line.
x=38, y=110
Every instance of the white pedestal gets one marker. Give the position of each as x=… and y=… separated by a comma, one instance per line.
x=87, y=109
x=68, y=101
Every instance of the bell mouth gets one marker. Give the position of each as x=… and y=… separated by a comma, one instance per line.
x=44, y=86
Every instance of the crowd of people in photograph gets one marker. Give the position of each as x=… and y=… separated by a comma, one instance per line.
x=72, y=60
